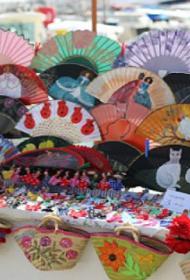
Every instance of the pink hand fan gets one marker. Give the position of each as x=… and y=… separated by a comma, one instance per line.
x=60, y=118
x=14, y=49
x=20, y=82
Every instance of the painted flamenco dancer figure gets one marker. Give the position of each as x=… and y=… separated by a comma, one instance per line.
x=134, y=102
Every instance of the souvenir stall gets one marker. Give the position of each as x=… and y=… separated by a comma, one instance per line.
x=94, y=157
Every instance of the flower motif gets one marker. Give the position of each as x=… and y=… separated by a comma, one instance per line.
x=112, y=255
x=66, y=243
x=82, y=39
x=71, y=254
x=26, y=242
x=45, y=241
x=49, y=48
x=9, y=102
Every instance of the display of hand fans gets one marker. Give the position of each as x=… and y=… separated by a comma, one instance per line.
x=177, y=81
x=165, y=168
x=41, y=142
x=52, y=157
x=134, y=93
x=96, y=159
x=7, y=149
x=119, y=154
x=69, y=82
x=168, y=125
x=14, y=49
x=20, y=82
x=161, y=51
x=81, y=47
x=59, y=118
x=11, y=111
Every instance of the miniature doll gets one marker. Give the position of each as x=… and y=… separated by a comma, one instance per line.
x=54, y=183
x=16, y=176
x=103, y=185
x=84, y=182
x=74, y=182
x=45, y=180
x=65, y=180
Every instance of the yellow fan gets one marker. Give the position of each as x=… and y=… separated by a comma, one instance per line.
x=106, y=87
x=168, y=125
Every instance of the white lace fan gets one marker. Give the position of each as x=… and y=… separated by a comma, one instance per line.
x=60, y=118
x=161, y=51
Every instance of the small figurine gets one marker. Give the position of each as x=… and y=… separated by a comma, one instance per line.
x=54, y=182
x=84, y=182
x=74, y=182
x=65, y=180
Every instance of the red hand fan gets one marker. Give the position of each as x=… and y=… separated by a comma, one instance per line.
x=17, y=81
x=94, y=157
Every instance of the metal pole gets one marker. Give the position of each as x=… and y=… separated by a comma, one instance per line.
x=94, y=15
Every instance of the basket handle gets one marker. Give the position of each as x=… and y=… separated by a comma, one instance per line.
x=128, y=228
x=5, y=224
x=51, y=218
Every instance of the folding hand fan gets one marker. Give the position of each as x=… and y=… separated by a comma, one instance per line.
x=166, y=167
x=59, y=118
x=177, y=81
x=69, y=82
x=22, y=83
x=11, y=111
x=168, y=125
x=14, y=49
x=142, y=87
x=41, y=142
x=7, y=149
x=95, y=158
x=118, y=153
x=52, y=157
x=105, y=114
x=81, y=47
x=114, y=127
x=161, y=51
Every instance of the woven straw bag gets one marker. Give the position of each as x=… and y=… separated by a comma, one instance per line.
x=185, y=267
x=129, y=256
x=51, y=245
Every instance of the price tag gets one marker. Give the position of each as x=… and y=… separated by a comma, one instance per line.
x=176, y=201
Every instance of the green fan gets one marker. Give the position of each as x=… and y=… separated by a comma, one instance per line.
x=81, y=47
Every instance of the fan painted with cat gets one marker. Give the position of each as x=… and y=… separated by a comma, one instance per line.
x=165, y=168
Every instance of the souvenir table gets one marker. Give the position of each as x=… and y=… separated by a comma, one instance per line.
x=83, y=122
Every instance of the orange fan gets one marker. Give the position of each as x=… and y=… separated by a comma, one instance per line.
x=20, y=82
x=167, y=126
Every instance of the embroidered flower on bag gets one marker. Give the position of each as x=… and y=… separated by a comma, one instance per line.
x=66, y=243
x=45, y=241
x=26, y=242
x=71, y=254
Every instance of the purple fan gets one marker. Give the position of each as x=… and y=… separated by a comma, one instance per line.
x=161, y=51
